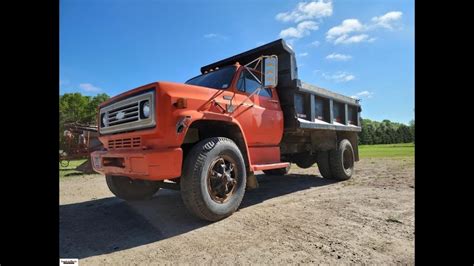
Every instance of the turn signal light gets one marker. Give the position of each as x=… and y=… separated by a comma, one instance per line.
x=181, y=103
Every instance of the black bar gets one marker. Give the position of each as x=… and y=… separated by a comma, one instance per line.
x=312, y=106
x=346, y=115
x=331, y=111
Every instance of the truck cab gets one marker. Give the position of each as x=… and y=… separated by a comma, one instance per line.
x=206, y=137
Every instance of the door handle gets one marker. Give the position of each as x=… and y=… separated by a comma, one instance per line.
x=273, y=101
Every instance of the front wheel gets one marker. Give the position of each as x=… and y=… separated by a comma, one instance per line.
x=214, y=179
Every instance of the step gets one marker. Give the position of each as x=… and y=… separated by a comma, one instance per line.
x=260, y=167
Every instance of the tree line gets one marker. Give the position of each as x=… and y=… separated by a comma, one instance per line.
x=386, y=132
x=77, y=108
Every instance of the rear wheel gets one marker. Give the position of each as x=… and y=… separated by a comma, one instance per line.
x=132, y=189
x=305, y=161
x=279, y=171
x=342, y=161
x=214, y=179
x=323, y=164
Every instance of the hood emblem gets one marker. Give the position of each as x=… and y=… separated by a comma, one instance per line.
x=120, y=115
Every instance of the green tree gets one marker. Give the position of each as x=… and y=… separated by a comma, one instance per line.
x=405, y=134
x=91, y=108
x=72, y=108
x=412, y=129
x=370, y=134
x=364, y=137
x=76, y=108
x=385, y=132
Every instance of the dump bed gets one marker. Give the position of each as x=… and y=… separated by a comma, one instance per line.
x=304, y=106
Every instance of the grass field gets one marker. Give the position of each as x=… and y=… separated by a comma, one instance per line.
x=387, y=150
x=69, y=170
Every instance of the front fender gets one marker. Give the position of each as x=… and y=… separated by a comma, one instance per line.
x=185, y=119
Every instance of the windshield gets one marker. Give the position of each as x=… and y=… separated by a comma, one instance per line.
x=218, y=79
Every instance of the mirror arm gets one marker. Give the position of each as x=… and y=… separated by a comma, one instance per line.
x=258, y=61
x=259, y=81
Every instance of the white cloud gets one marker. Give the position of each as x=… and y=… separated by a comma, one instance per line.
x=303, y=54
x=340, y=34
x=388, y=20
x=363, y=94
x=302, y=29
x=315, y=43
x=215, y=36
x=210, y=35
x=353, y=31
x=89, y=87
x=345, y=39
x=347, y=26
x=307, y=10
x=338, y=57
x=339, y=76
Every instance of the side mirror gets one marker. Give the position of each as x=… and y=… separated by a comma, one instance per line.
x=270, y=71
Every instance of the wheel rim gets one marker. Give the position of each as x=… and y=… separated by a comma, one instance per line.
x=222, y=179
x=348, y=160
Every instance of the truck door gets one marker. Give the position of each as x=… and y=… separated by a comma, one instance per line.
x=260, y=116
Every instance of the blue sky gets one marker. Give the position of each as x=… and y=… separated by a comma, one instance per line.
x=363, y=49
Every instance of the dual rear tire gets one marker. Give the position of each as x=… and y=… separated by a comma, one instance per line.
x=337, y=164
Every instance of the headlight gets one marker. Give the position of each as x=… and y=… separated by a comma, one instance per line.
x=145, y=109
x=104, y=120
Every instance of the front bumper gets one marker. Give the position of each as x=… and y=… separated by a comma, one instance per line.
x=139, y=164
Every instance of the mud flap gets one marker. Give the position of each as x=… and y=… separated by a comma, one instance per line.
x=252, y=182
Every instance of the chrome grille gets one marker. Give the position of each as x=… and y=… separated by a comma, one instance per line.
x=131, y=113
x=126, y=143
x=125, y=115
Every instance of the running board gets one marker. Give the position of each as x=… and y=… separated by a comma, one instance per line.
x=260, y=167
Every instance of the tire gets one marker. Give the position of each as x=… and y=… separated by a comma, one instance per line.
x=305, y=161
x=214, y=179
x=342, y=161
x=279, y=171
x=129, y=189
x=323, y=164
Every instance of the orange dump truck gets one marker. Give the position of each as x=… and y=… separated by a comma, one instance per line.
x=208, y=136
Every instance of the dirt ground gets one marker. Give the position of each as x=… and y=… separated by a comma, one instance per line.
x=298, y=218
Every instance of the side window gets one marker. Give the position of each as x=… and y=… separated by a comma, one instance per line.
x=247, y=83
